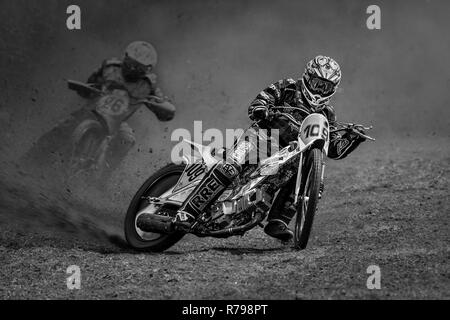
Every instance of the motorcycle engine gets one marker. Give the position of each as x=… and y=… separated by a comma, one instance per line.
x=230, y=212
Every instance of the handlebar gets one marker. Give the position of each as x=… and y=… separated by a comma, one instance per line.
x=92, y=89
x=354, y=128
x=343, y=126
x=275, y=113
x=338, y=126
x=83, y=87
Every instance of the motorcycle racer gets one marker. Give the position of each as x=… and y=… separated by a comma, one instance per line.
x=309, y=94
x=134, y=72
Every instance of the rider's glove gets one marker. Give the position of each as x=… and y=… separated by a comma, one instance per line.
x=164, y=111
x=260, y=113
x=354, y=136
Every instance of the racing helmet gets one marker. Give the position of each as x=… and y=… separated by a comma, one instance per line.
x=140, y=58
x=320, y=80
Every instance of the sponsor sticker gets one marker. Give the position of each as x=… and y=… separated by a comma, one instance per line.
x=212, y=187
x=229, y=170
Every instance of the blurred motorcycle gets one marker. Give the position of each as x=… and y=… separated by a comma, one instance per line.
x=151, y=224
x=92, y=138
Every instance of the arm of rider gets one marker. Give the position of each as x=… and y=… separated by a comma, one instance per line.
x=83, y=89
x=260, y=113
x=161, y=107
x=342, y=142
x=95, y=77
x=156, y=102
x=106, y=74
x=353, y=134
x=341, y=145
x=260, y=107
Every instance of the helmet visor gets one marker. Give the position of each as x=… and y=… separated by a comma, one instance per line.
x=320, y=86
x=135, y=68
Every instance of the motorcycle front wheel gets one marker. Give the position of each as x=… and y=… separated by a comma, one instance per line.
x=87, y=138
x=162, y=181
x=309, y=197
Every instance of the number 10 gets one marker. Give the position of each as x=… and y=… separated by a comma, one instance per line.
x=314, y=130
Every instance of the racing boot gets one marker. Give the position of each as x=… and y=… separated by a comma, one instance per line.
x=278, y=229
x=281, y=214
x=209, y=190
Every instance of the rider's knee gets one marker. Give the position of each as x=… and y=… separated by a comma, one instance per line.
x=127, y=135
x=128, y=140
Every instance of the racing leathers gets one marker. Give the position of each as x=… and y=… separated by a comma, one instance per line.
x=282, y=93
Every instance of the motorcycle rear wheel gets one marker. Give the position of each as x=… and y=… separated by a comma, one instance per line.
x=309, y=197
x=156, y=185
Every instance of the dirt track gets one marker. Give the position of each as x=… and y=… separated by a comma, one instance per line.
x=387, y=206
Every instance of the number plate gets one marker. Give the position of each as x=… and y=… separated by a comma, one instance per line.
x=192, y=173
x=314, y=127
x=114, y=104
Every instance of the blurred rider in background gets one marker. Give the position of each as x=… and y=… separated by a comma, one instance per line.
x=134, y=71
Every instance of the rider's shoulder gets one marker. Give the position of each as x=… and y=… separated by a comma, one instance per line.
x=116, y=62
x=288, y=84
x=290, y=81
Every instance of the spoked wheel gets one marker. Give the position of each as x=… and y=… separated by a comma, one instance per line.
x=309, y=197
x=155, y=186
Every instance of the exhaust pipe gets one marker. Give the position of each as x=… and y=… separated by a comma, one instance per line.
x=149, y=222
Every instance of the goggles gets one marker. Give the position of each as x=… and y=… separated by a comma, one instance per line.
x=320, y=86
x=135, y=67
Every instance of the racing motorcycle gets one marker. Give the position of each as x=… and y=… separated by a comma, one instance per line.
x=151, y=223
x=92, y=139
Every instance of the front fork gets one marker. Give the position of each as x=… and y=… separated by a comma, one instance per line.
x=102, y=151
x=322, y=184
x=299, y=178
